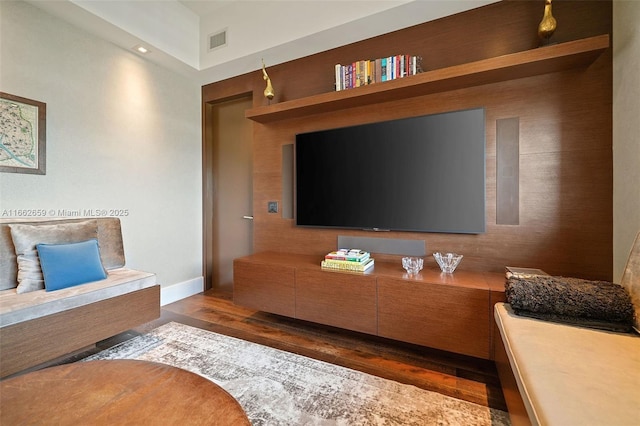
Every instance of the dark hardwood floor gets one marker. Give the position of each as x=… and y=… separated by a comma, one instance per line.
x=467, y=378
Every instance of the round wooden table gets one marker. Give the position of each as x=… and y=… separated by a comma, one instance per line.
x=116, y=392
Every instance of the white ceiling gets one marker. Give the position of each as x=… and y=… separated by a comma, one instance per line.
x=205, y=7
x=177, y=31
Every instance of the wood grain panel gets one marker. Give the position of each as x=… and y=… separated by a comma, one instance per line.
x=486, y=32
x=265, y=287
x=34, y=342
x=231, y=88
x=566, y=165
x=544, y=180
x=340, y=299
x=444, y=317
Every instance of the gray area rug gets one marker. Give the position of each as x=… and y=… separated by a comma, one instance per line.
x=280, y=388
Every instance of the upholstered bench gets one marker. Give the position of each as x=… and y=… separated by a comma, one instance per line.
x=562, y=374
x=38, y=326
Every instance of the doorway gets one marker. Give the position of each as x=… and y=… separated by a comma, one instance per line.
x=227, y=190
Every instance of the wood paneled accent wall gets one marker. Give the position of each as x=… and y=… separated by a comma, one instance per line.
x=565, y=136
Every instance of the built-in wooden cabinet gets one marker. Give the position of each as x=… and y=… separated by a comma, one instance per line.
x=451, y=312
x=345, y=300
x=438, y=315
x=265, y=286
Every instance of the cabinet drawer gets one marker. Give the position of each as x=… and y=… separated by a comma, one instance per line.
x=440, y=316
x=264, y=287
x=339, y=299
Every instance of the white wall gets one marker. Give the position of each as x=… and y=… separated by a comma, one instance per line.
x=122, y=133
x=626, y=131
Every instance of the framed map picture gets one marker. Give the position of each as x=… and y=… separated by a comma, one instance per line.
x=22, y=135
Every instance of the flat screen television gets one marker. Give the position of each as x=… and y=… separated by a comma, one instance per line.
x=419, y=174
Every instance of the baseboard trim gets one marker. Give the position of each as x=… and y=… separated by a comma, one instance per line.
x=182, y=290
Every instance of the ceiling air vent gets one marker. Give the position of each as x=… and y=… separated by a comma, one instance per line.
x=217, y=40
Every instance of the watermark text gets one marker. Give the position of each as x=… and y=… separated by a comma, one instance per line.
x=99, y=212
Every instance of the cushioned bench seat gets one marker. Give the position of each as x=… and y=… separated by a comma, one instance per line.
x=15, y=308
x=39, y=326
x=569, y=375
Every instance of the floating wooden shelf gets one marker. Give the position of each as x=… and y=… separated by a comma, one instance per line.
x=543, y=60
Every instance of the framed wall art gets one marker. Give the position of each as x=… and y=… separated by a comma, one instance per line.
x=22, y=135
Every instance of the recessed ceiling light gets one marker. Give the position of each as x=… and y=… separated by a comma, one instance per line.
x=140, y=49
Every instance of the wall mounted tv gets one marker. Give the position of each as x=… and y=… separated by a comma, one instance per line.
x=419, y=174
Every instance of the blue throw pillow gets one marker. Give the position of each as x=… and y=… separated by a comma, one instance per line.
x=68, y=265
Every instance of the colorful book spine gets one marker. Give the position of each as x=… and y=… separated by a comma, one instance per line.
x=359, y=66
x=364, y=72
x=391, y=71
x=347, y=266
x=383, y=69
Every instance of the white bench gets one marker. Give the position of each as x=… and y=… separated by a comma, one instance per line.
x=557, y=374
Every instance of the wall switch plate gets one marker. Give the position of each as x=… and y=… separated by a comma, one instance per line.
x=272, y=207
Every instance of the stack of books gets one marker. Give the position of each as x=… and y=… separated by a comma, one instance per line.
x=348, y=260
x=361, y=73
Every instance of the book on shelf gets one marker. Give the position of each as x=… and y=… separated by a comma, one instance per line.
x=364, y=72
x=345, y=265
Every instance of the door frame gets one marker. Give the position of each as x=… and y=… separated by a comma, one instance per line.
x=209, y=196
